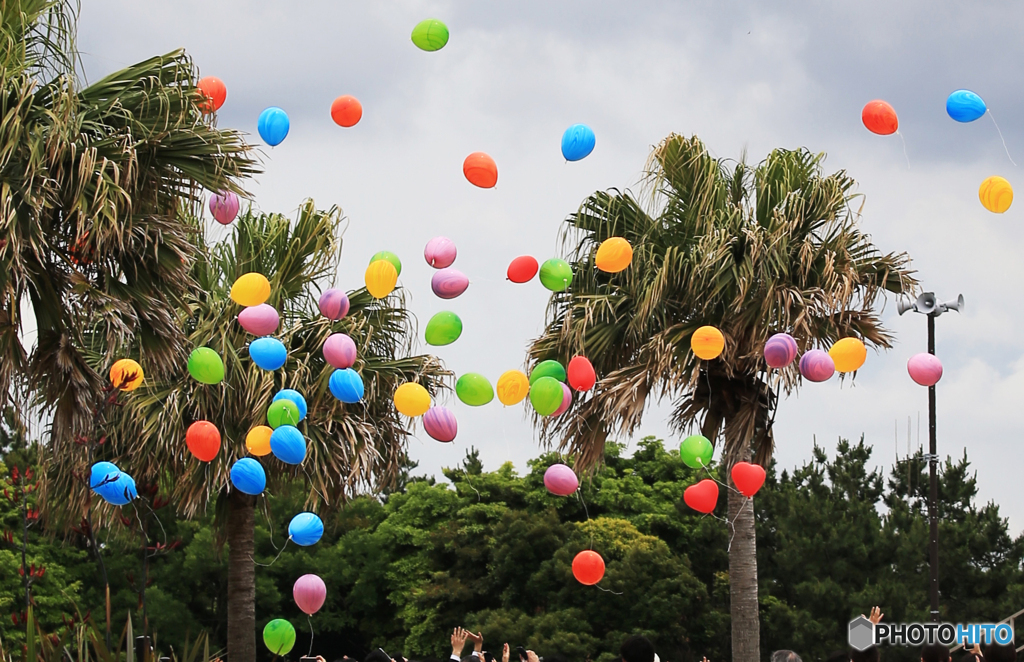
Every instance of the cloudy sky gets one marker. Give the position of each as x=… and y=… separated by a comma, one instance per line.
x=742, y=75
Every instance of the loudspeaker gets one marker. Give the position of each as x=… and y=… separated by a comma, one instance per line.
x=904, y=304
x=957, y=305
x=926, y=303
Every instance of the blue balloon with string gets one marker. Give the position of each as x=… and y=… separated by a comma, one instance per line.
x=306, y=529
x=248, y=476
x=578, y=142
x=273, y=125
x=295, y=397
x=268, y=353
x=288, y=445
x=965, y=106
x=347, y=385
x=120, y=492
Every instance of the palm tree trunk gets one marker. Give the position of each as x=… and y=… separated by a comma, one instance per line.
x=746, y=628
x=241, y=578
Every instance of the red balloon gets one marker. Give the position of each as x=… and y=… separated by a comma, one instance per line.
x=481, y=170
x=346, y=111
x=203, y=439
x=581, y=374
x=215, y=91
x=588, y=567
x=748, y=478
x=702, y=497
x=522, y=269
x=879, y=117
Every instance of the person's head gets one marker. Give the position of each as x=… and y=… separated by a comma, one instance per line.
x=935, y=653
x=377, y=655
x=869, y=655
x=637, y=649
x=785, y=656
x=999, y=652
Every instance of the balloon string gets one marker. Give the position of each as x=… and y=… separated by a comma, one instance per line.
x=590, y=526
x=313, y=487
x=310, y=619
x=732, y=524
x=1001, y=137
x=607, y=590
x=267, y=565
x=270, y=522
x=904, y=149
x=712, y=477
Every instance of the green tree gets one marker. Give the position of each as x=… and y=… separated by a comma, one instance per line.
x=752, y=251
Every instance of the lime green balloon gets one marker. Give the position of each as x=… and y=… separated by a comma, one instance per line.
x=279, y=636
x=444, y=328
x=282, y=412
x=556, y=274
x=548, y=369
x=546, y=395
x=696, y=451
x=430, y=35
x=390, y=257
x=474, y=389
x=205, y=366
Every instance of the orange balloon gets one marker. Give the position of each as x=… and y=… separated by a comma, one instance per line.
x=879, y=117
x=203, y=439
x=215, y=91
x=707, y=342
x=346, y=111
x=481, y=170
x=126, y=375
x=588, y=567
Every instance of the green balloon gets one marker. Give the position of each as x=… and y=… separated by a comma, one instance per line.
x=430, y=35
x=282, y=412
x=696, y=451
x=279, y=636
x=390, y=257
x=474, y=389
x=548, y=369
x=556, y=274
x=546, y=395
x=205, y=366
x=444, y=328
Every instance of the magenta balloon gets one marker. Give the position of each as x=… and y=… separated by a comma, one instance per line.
x=224, y=207
x=566, y=401
x=309, y=593
x=440, y=423
x=780, y=350
x=261, y=320
x=340, y=351
x=333, y=304
x=817, y=366
x=449, y=283
x=440, y=252
x=925, y=369
x=560, y=480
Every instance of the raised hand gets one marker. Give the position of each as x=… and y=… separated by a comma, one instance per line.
x=459, y=636
x=504, y=653
x=876, y=615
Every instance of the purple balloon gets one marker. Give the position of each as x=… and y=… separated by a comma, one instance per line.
x=340, y=351
x=440, y=252
x=566, y=401
x=333, y=304
x=780, y=350
x=440, y=423
x=309, y=592
x=925, y=369
x=817, y=366
x=224, y=207
x=261, y=320
x=449, y=283
x=560, y=480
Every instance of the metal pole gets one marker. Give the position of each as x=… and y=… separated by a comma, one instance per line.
x=933, y=492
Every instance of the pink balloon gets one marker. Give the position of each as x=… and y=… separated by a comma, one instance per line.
x=340, y=350
x=224, y=207
x=261, y=320
x=925, y=369
x=440, y=252
x=449, y=283
x=560, y=480
x=817, y=366
x=309, y=593
x=440, y=423
x=566, y=401
x=333, y=304
x=780, y=350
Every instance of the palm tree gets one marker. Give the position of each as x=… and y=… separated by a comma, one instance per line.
x=752, y=251
x=91, y=180
x=351, y=448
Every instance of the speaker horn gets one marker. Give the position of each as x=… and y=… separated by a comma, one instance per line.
x=904, y=304
x=926, y=303
x=957, y=305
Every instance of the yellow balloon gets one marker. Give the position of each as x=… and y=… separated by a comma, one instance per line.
x=412, y=399
x=996, y=194
x=614, y=255
x=251, y=289
x=848, y=354
x=707, y=342
x=513, y=387
x=381, y=277
x=126, y=375
x=257, y=441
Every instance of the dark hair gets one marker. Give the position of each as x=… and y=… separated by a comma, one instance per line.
x=377, y=655
x=935, y=653
x=869, y=655
x=999, y=652
x=637, y=649
x=839, y=656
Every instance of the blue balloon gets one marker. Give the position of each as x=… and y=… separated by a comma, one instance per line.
x=305, y=529
x=273, y=125
x=268, y=353
x=347, y=385
x=248, y=476
x=965, y=106
x=288, y=445
x=578, y=142
x=294, y=396
x=103, y=474
x=120, y=492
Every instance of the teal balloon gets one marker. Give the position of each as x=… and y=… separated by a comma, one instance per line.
x=696, y=451
x=279, y=636
x=556, y=274
x=444, y=328
x=273, y=125
x=306, y=529
x=548, y=368
x=288, y=445
x=295, y=397
x=965, y=106
x=268, y=353
x=283, y=412
x=248, y=476
x=578, y=142
x=119, y=492
x=206, y=366
x=474, y=389
x=347, y=385
x=546, y=395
